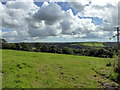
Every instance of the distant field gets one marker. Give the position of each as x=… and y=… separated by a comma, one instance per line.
x=97, y=44
x=23, y=69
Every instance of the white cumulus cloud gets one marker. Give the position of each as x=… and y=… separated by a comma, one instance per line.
x=28, y=21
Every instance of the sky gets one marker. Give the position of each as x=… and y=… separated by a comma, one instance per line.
x=63, y=21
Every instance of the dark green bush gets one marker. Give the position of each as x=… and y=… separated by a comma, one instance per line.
x=67, y=50
x=114, y=77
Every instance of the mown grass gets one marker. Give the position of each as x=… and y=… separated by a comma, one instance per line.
x=97, y=44
x=23, y=69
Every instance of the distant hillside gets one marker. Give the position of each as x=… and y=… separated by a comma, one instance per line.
x=82, y=45
x=110, y=44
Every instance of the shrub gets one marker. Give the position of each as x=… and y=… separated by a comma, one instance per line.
x=114, y=77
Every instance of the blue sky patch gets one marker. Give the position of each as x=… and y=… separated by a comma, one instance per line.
x=6, y=30
x=95, y=20
x=39, y=3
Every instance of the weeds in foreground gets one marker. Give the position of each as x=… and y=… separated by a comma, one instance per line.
x=115, y=63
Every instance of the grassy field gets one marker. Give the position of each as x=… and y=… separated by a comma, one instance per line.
x=23, y=69
x=97, y=44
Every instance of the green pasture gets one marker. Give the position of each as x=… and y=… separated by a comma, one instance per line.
x=22, y=69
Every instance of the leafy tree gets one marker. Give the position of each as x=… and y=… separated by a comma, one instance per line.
x=26, y=47
x=18, y=46
x=38, y=46
x=67, y=50
x=3, y=41
x=53, y=49
x=8, y=46
x=44, y=48
x=59, y=51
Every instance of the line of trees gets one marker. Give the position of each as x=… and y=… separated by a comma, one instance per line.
x=40, y=47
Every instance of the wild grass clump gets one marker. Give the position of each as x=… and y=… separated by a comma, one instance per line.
x=115, y=63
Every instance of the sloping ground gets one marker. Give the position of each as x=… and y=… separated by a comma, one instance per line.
x=96, y=44
x=45, y=70
x=110, y=44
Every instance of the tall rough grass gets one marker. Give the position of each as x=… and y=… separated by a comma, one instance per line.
x=116, y=66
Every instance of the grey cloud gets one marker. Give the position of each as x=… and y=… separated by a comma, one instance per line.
x=20, y=5
x=44, y=32
x=77, y=6
x=66, y=27
x=50, y=14
x=10, y=34
x=103, y=7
